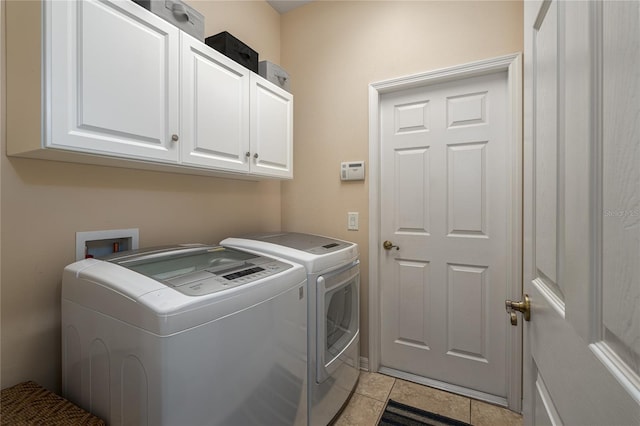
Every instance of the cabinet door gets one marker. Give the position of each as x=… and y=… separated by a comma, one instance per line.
x=271, y=129
x=112, y=80
x=215, y=108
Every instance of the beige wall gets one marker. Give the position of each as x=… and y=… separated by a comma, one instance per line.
x=44, y=203
x=333, y=50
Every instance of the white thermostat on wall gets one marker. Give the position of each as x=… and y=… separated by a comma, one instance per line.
x=352, y=170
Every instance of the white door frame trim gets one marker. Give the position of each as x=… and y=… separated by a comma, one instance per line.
x=512, y=64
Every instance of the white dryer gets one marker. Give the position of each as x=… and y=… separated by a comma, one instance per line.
x=186, y=335
x=333, y=277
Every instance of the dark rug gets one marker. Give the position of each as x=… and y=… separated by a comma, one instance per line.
x=396, y=413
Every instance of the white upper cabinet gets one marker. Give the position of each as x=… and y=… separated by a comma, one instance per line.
x=271, y=129
x=215, y=105
x=232, y=118
x=113, y=80
x=120, y=86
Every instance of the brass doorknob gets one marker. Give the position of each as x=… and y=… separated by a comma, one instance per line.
x=524, y=307
x=388, y=245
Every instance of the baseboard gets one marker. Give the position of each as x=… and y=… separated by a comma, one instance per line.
x=364, y=363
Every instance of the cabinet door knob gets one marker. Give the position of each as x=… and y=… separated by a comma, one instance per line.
x=174, y=138
x=248, y=154
x=255, y=155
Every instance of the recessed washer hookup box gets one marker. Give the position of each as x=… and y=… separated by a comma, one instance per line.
x=233, y=48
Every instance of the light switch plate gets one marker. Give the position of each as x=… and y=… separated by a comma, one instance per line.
x=352, y=221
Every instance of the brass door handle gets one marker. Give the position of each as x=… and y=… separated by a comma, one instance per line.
x=388, y=245
x=524, y=307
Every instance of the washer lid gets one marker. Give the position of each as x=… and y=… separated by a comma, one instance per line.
x=169, y=290
x=196, y=270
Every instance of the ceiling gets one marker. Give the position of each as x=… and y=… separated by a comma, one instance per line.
x=284, y=6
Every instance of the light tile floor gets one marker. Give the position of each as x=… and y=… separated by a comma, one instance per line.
x=374, y=389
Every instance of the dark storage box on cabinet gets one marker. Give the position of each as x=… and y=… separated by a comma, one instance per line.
x=233, y=48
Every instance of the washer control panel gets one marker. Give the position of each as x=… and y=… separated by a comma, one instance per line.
x=209, y=281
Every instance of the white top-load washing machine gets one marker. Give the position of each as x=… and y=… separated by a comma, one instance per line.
x=333, y=277
x=186, y=335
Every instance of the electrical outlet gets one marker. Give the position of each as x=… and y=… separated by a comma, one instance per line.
x=352, y=221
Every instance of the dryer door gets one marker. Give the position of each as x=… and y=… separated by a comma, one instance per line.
x=339, y=318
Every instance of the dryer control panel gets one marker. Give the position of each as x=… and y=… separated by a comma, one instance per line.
x=199, y=270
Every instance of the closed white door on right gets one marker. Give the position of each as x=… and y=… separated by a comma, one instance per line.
x=445, y=202
x=582, y=213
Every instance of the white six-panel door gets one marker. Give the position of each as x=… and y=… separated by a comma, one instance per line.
x=582, y=213
x=445, y=201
